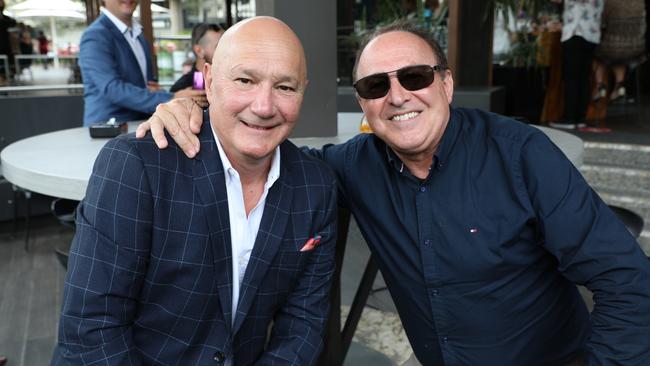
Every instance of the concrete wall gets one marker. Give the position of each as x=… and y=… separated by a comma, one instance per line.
x=314, y=21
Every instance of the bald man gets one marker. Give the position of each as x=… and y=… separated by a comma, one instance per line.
x=222, y=259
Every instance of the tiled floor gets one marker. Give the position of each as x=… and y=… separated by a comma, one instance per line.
x=31, y=290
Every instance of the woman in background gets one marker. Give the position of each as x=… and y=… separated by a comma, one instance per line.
x=622, y=44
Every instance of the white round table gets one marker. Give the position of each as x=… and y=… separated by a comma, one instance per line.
x=59, y=163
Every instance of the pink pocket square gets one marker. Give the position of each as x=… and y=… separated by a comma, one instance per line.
x=311, y=244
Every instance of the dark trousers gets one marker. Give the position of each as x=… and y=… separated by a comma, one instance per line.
x=577, y=55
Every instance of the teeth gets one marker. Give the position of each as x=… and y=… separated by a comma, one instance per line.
x=404, y=117
x=257, y=127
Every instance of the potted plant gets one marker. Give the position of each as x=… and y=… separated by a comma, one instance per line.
x=523, y=69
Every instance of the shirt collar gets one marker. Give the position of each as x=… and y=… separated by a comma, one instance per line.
x=274, y=172
x=123, y=28
x=441, y=156
x=449, y=137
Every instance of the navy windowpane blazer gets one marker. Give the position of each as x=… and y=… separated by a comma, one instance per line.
x=150, y=275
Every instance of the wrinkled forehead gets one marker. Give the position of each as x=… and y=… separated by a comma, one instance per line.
x=394, y=50
x=262, y=46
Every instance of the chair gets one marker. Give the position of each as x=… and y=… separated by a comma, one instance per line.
x=65, y=211
x=632, y=221
x=62, y=257
x=27, y=198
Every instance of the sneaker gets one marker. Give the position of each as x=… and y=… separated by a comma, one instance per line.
x=618, y=94
x=601, y=92
x=563, y=125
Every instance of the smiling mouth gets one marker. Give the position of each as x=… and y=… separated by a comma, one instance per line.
x=259, y=128
x=405, y=116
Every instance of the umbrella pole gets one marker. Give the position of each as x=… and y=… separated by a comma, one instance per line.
x=53, y=32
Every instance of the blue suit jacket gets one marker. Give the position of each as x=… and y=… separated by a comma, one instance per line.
x=113, y=84
x=150, y=275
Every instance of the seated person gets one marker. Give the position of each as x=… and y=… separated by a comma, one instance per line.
x=223, y=259
x=26, y=48
x=205, y=37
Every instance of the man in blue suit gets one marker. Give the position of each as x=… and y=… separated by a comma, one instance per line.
x=226, y=258
x=116, y=68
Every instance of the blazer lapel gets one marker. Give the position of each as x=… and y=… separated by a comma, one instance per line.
x=211, y=186
x=269, y=237
x=147, y=56
x=124, y=45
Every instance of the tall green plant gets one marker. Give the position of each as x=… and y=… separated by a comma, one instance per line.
x=525, y=40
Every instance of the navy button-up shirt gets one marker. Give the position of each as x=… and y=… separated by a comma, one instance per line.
x=481, y=257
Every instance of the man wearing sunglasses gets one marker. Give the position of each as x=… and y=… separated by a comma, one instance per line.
x=480, y=225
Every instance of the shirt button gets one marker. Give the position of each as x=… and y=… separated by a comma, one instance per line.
x=219, y=357
x=422, y=189
x=427, y=242
x=435, y=292
x=444, y=340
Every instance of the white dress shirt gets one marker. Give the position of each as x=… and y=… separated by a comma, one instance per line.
x=243, y=229
x=131, y=36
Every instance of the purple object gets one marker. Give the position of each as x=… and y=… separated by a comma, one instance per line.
x=198, y=80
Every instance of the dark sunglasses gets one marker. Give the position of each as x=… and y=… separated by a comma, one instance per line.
x=410, y=77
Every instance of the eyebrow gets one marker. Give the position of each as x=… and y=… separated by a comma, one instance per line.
x=277, y=78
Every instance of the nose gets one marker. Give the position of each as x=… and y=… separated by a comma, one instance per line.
x=262, y=105
x=397, y=95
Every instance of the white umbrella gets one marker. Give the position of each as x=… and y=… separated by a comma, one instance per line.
x=156, y=11
x=52, y=9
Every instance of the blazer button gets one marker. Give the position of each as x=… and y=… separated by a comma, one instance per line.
x=219, y=357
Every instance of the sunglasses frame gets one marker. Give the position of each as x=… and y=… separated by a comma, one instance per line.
x=386, y=76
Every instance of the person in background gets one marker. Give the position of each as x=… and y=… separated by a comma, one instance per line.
x=43, y=47
x=117, y=71
x=205, y=37
x=622, y=44
x=26, y=47
x=6, y=23
x=480, y=225
x=580, y=35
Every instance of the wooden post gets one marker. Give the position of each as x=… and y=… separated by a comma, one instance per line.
x=229, y=13
x=471, y=28
x=92, y=10
x=147, y=30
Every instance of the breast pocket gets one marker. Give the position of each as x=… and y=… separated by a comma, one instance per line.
x=285, y=270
